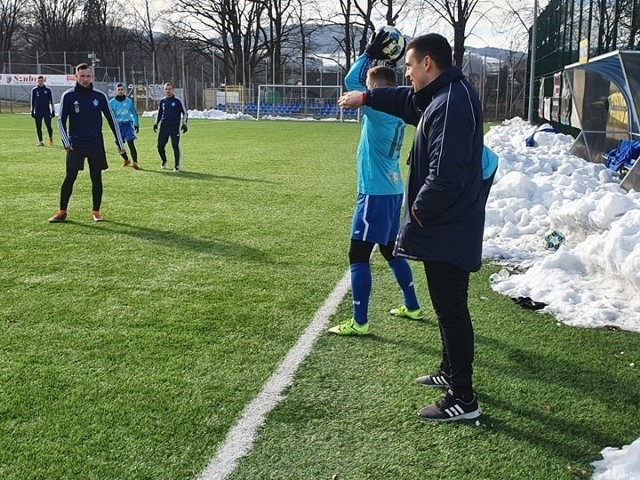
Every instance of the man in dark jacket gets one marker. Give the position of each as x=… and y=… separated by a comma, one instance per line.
x=172, y=117
x=444, y=220
x=82, y=107
x=42, y=109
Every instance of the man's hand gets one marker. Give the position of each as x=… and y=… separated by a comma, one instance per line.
x=53, y=114
x=353, y=99
x=33, y=115
x=155, y=127
x=184, y=129
x=379, y=40
x=136, y=128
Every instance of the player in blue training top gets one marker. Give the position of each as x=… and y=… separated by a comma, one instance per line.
x=83, y=107
x=172, y=117
x=376, y=219
x=127, y=117
x=42, y=109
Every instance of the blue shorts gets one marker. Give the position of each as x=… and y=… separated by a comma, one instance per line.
x=376, y=218
x=127, y=132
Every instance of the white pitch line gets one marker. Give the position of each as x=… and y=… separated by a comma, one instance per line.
x=241, y=437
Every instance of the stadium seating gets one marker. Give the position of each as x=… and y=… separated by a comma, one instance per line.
x=296, y=110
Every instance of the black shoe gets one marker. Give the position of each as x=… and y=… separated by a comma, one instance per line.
x=438, y=379
x=449, y=409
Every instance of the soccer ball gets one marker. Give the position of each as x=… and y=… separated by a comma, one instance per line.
x=553, y=240
x=395, y=49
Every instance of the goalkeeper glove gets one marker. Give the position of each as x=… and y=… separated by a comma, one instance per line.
x=136, y=128
x=379, y=40
x=184, y=129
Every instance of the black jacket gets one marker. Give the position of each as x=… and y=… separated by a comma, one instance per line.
x=84, y=108
x=42, y=101
x=444, y=188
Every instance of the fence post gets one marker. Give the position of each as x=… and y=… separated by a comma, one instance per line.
x=532, y=68
x=11, y=87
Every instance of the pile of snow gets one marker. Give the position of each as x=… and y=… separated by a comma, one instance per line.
x=593, y=279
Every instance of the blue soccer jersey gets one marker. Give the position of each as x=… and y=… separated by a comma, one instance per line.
x=124, y=111
x=380, y=140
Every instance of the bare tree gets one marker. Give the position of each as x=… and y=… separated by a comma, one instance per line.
x=629, y=24
x=230, y=28
x=102, y=30
x=306, y=29
x=56, y=25
x=365, y=10
x=345, y=17
x=517, y=18
x=11, y=14
x=145, y=22
x=279, y=14
x=457, y=13
x=394, y=10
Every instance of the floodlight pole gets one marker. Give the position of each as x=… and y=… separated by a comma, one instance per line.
x=213, y=67
x=532, y=67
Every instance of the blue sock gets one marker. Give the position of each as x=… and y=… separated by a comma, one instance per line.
x=361, y=289
x=402, y=271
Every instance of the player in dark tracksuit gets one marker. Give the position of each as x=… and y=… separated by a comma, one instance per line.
x=172, y=117
x=83, y=107
x=42, y=109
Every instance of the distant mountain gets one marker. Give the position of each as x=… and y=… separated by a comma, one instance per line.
x=498, y=53
x=325, y=39
x=488, y=60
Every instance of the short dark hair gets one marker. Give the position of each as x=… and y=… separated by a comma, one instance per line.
x=435, y=46
x=82, y=66
x=168, y=84
x=382, y=75
x=40, y=77
x=118, y=85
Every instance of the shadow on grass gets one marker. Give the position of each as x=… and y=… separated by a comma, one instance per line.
x=560, y=371
x=572, y=439
x=207, y=246
x=202, y=176
x=548, y=418
x=384, y=339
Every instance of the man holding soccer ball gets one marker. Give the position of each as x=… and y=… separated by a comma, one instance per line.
x=376, y=219
x=444, y=220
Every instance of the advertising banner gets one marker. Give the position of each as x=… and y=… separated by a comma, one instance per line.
x=32, y=79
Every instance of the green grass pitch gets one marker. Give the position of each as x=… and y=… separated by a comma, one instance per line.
x=128, y=349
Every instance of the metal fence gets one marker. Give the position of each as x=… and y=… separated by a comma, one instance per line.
x=500, y=84
x=570, y=29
